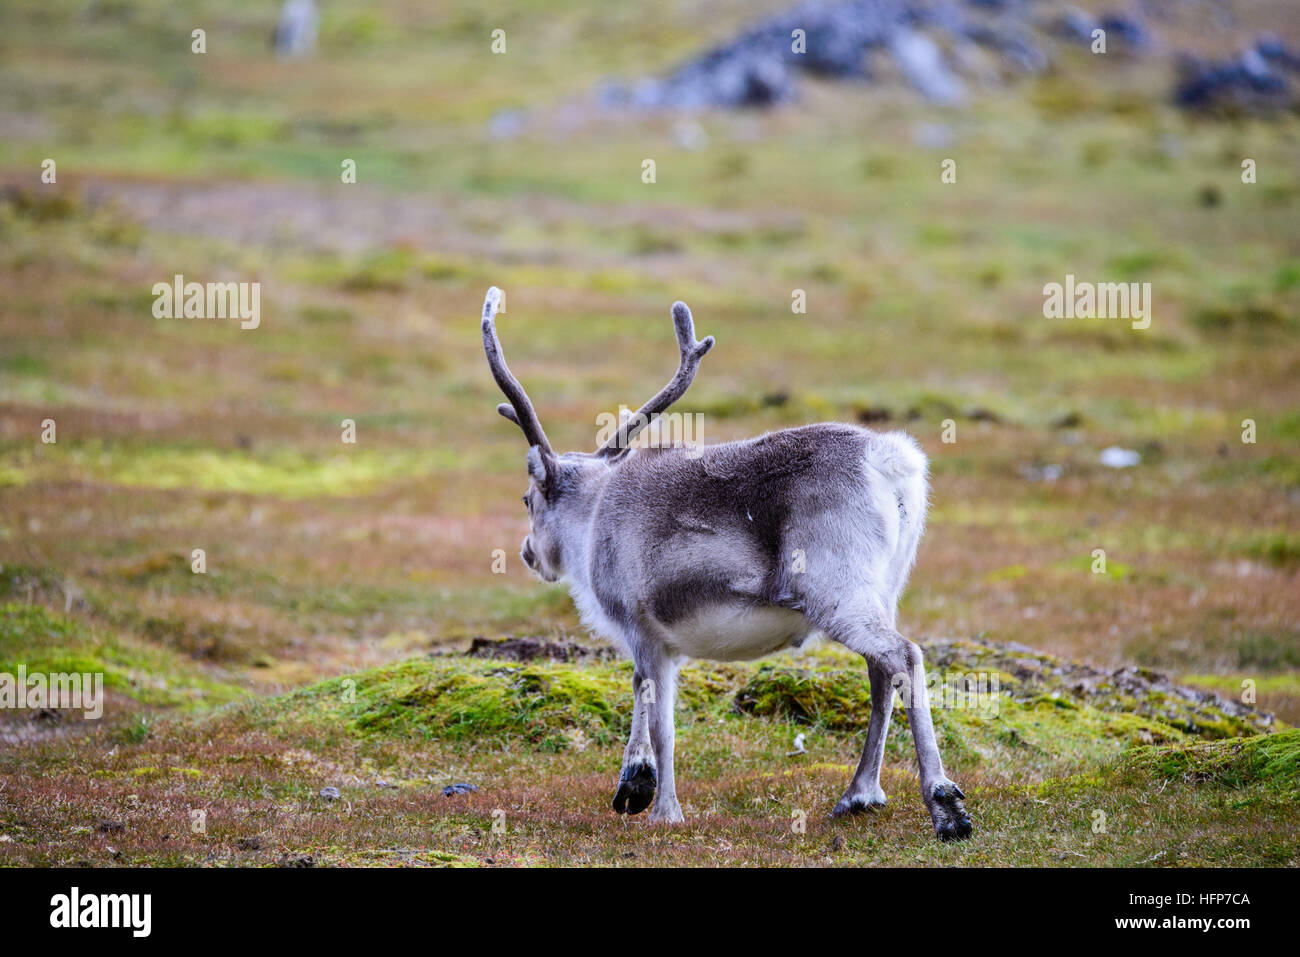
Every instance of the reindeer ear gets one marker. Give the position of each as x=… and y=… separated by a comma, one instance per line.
x=538, y=466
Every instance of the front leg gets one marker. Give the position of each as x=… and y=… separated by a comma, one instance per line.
x=637, y=778
x=661, y=693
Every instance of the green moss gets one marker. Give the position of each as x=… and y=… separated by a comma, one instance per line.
x=1276, y=548
x=549, y=707
x=1273, y=760
x=1009, y=573
x=44, y=642
x=1043, y=707
x=40, y=205
x=830, y=698
x=281, y=472
x=389, y=271
x=1169, y=711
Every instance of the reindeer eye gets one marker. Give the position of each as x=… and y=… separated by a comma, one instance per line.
x=528, y=505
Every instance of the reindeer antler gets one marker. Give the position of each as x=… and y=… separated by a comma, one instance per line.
x=692, y=351
x=520, y=409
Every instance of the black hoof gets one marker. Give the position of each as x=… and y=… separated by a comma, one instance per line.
x=855, y=805
x=636, y=789
x=951, y=823
x=954, y=832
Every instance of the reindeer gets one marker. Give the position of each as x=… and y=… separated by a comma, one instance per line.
x=676, y=554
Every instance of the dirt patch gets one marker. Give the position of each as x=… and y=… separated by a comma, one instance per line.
x=537, y=649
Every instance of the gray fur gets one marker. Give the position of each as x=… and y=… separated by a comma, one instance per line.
x=732, y=552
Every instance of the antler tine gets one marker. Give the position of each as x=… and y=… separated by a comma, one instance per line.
x=692, y=351
x=520, y=409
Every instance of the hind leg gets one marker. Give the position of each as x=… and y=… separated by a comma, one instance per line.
x=901, y=661
x=864, y=790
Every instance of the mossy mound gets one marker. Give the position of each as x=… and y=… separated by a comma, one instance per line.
x=1025, y=674
x=552, y=706
x=1041, y=702
x=546, y=706
x=832, y=698
x=44, y=642
x=542, y=705
x=1273, y=760
x=837, y=701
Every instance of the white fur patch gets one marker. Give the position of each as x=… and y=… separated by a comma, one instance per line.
x=896, y=456
x=738, y=632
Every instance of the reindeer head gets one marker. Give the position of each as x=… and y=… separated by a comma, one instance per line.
x=558, y=496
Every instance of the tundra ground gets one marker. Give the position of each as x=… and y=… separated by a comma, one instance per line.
x=326, y=560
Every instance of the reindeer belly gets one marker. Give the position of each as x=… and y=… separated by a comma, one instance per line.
x=737, y=632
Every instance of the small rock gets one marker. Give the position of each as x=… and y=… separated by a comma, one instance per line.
x=249, y=844
x=874, y=413
x=330, y=794
x=922, y=64
x=506, y=124
x=1067, y=420
x=838, y=842
x=690, y=135
x=1115, y=457
x=296, y=31
x=1272, y=48
x=1248, y=81
x=1048, y=473
x=454, y=789
x=980, y=414
x=1128, y=29
x=933, y=136
x=1076, y=25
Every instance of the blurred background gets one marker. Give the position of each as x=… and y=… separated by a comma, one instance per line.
x=524, y=168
